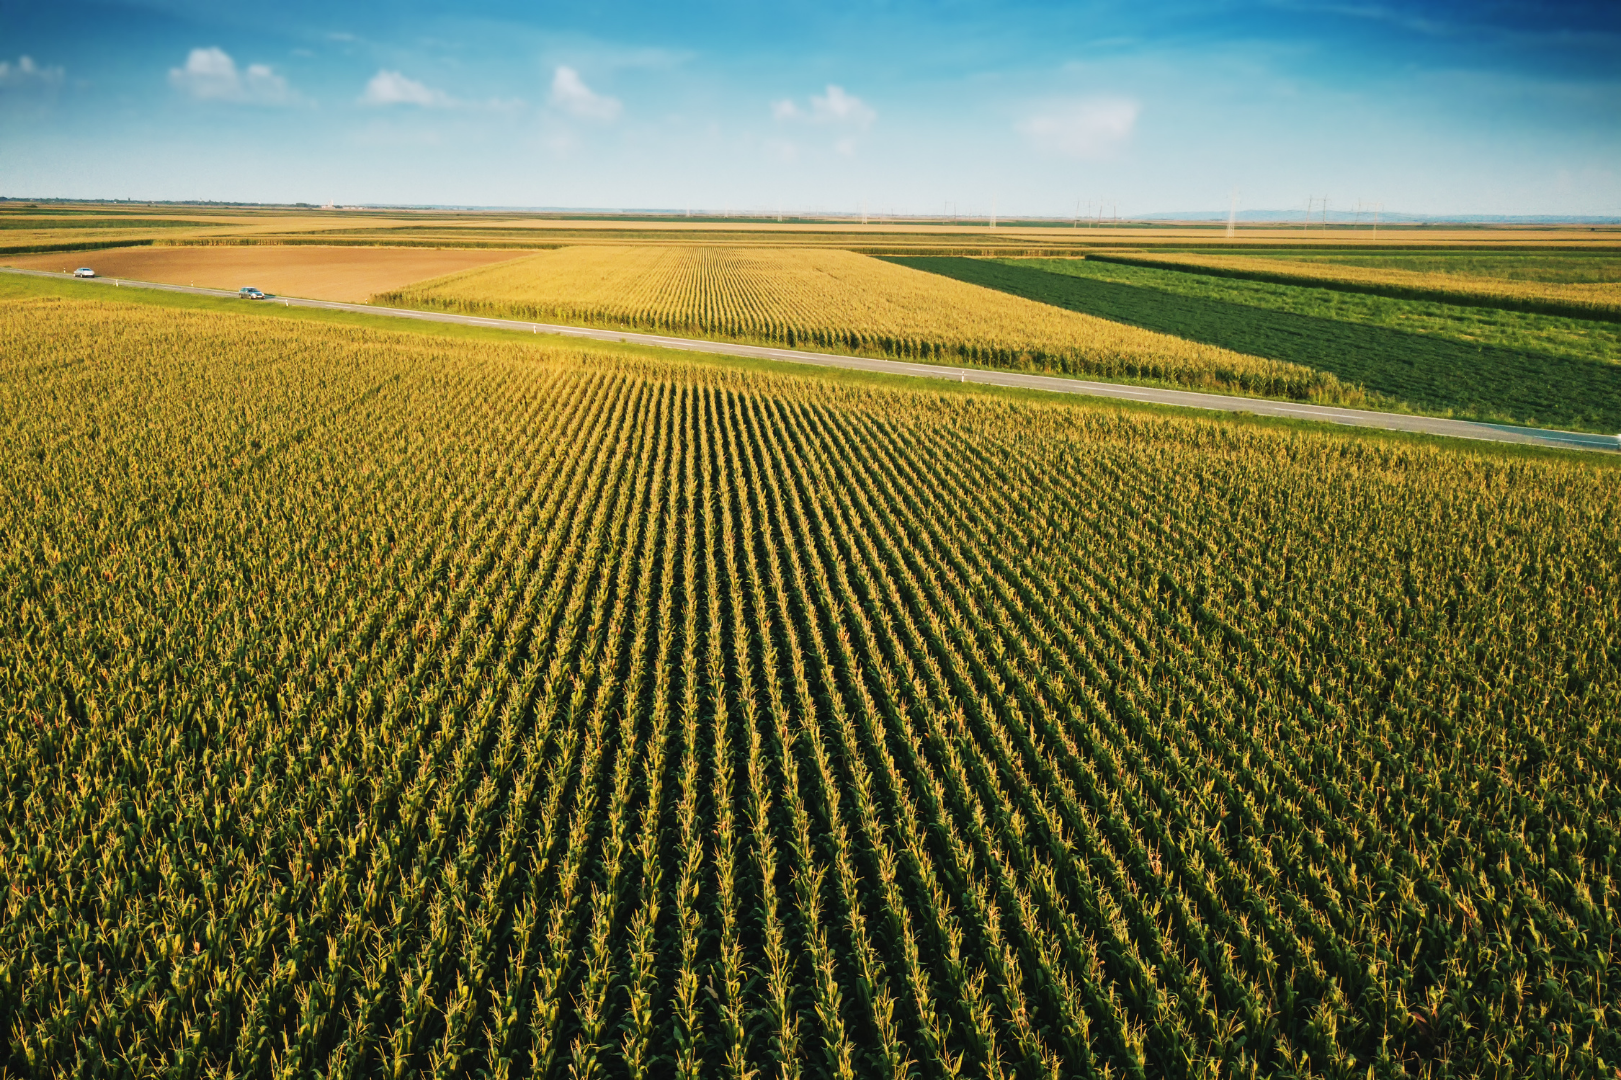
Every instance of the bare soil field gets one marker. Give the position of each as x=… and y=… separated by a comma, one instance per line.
x=351, y=274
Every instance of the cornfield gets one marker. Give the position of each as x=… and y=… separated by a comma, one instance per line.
x=829, y=299
x=386, y=705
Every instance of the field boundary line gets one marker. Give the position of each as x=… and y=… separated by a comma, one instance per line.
x=1059, y=384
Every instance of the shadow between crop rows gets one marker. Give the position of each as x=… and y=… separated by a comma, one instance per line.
x=1481, y=382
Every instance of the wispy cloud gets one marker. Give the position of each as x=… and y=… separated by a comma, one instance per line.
x=834, y=107
x=25, y=73
x=570, y=94
x=1089, y=128
x=393, y=88
x=837, y=107
x=211, y=75
x=844, y=114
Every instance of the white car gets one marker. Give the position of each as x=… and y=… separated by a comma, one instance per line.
x=84, y=271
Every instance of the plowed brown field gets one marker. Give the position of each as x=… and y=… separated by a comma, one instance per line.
x=351, y=274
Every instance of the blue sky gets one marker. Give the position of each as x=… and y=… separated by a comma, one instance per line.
x=1484, y=108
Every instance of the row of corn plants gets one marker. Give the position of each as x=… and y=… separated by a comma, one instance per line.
x=825, y=299
x=381, y=705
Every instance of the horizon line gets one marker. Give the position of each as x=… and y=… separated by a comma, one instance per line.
x=1284, y=217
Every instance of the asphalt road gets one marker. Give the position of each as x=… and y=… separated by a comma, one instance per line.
x=1428, y=425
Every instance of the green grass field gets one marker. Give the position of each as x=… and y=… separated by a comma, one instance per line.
x=1575, y=339
x=1474, y=363
x=461, y=704
x=1553, y=266
x=1600, y=300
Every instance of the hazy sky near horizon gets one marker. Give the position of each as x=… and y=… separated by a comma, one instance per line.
x=912, y=107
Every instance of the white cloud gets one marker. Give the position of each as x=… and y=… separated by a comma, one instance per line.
x=27, y=73
x=570, y=94
x=834, y=107
x=393, y=88
x=211, y=75
x=837, y=107
x=1089, y=128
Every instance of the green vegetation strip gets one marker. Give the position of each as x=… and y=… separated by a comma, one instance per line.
x=9, y=222
x=76, y=245
x=1589, y=267
x=1441, y=294
x=395, y=705
x=1427, y=373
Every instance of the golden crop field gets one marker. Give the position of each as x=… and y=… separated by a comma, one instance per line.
x=1593, y=298
x=383, y=704
x=829, y=299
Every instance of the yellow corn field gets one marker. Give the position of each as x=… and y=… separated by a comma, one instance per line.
x=839, y=300
x=379, y=704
